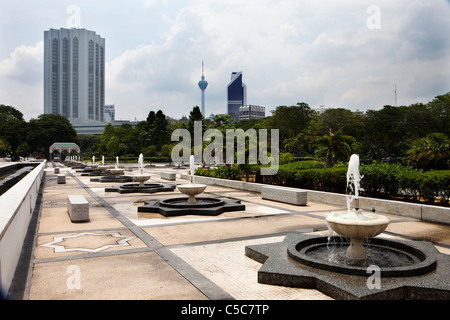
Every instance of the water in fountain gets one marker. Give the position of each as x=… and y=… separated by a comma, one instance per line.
x=355, y=224
x=141, y=164
x=192, y=167
x=140, y=177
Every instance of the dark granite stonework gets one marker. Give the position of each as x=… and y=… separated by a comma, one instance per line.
x=280, y=269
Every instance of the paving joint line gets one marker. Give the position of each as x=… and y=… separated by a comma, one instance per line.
x=206, y=286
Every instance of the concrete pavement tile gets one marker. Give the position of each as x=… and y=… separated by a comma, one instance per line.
x=219, y=261
x=226, y=229
x=420, y=230
x=56, y=219
x=126, y=277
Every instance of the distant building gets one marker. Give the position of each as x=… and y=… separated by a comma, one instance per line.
x=74, y=75
x=110, y=113
x=236, y=95
x=251, y=112
x=202, y=84
x=184, y=119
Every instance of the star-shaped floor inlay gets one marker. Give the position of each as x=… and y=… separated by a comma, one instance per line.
x=91, y=243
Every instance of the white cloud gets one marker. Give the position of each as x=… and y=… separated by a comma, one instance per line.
x=21, y=80
x=24, y=64
x=318, y=52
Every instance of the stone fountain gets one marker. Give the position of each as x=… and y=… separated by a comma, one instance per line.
x=354, y=224
x=141, y=177
x=117, y=171
x=115, y=174
x=192, y=205
x=341, y=266
x=103, y=167
x=91, y=169
x=192, y=189
x=141, y=186
x=95, y=169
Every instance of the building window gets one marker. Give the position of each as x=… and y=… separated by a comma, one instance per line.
x=75, y=78
x=91, y=81
x=65, y=78
x=55, y=78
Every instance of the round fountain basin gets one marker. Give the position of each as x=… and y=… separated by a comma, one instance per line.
x=357, y=225
x=138, y=186
x=395, y=259
x=183, y=203
x=141, y=178
x=192, y=188
x=117, y=171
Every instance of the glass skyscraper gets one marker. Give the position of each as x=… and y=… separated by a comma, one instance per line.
x=237, y=95
x=74, y=74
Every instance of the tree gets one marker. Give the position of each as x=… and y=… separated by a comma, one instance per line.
x=13, y=129
x=335, y=147
x=47, y=129
x=430, y=152
x=350, y=122
x=194, y=115
x=2, y=147
x=88, y=142
x=159, y=130
x=291, y=120
x=439, y=109
x=222, y=122
x=386, y=133
x=301, y=146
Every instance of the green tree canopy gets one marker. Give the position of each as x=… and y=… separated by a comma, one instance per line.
x=335, y=147
x=13, y=129
x=47, y=129
x=430, y=152
x=290, y=120
x=194, y=115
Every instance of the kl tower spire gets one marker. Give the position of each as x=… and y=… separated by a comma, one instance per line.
x=202, y=84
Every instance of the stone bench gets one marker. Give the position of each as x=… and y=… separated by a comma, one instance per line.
x=168, y=176
x=61, y=178
x=285, y=194
x=78, y=208
x=56, y=170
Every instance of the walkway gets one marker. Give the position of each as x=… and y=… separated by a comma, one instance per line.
x=121, y=254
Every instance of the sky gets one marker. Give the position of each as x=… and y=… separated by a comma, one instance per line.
x=337, y=54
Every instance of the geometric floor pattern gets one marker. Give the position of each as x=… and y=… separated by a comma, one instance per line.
x=107, y=241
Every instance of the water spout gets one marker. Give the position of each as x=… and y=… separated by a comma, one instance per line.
x=117, y=162
x=354, y=179
x=141, y=164
x=192, y=163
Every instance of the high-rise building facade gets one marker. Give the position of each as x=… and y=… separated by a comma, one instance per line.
x=74, y=74
x=237, y=95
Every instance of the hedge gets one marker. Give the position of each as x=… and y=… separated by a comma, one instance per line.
x=379, y=180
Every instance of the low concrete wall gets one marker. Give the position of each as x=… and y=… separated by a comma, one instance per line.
x=16, y=206
x=411, y=210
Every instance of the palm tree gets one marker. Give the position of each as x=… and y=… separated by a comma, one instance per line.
x=430, y=152
x=335, y=147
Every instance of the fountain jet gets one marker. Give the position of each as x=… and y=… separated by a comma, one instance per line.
x=355, y=224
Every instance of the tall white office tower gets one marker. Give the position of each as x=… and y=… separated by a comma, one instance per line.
x=74, y=74
x=202, y=84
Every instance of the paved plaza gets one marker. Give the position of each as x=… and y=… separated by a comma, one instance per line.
x=122, y=254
